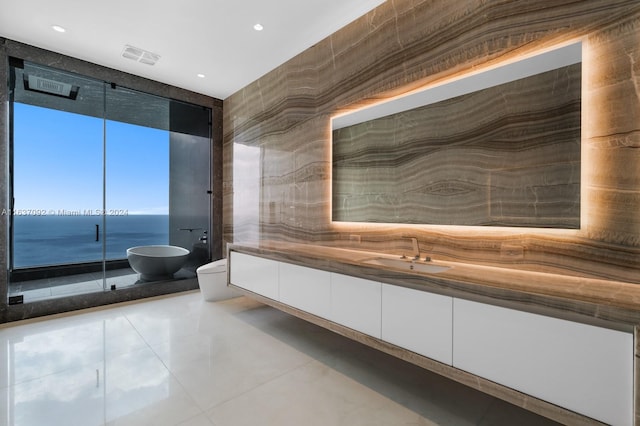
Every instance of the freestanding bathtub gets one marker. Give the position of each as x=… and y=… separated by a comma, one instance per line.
x=156, y=262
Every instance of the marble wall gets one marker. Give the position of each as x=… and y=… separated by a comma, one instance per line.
x=282, y=190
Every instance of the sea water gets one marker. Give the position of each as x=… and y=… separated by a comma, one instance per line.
x=62, y=239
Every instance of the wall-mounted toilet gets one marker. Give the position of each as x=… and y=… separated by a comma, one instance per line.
x=212, y=279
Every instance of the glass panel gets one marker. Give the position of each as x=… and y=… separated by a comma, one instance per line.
x=137, y=187
x=96, y=170
x=56, y=182
x=137, y=177
x=190, y=183
x=57, y=187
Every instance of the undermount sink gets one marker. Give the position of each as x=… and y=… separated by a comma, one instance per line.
x=407, y=265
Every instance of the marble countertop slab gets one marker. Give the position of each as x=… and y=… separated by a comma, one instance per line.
x=554, y=294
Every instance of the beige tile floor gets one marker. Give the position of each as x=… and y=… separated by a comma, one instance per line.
x=179, y=360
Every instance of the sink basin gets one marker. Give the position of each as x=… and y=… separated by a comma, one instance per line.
x=407, y=265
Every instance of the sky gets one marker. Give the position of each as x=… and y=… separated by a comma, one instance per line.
x=58, y=164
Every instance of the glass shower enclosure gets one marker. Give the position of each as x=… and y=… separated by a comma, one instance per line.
x=95, y=170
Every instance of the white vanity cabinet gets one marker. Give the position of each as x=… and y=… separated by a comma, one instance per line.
x=581, y=367
x=255, y=274
x=419, y=321
x=306, y=289
x=355, y=303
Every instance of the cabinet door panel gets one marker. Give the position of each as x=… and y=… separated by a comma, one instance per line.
x=306, y=289
x=581, y=367
x=418, y=321
x=254, y=274
x=355, y=303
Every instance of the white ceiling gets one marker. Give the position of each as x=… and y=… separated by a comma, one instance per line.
x=212, y=37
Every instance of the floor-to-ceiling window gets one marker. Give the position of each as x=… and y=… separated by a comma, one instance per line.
x=97, y=169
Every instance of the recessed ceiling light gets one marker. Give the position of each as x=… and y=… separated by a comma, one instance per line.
x=59, y=29
x=258, y=27
x=201, y=75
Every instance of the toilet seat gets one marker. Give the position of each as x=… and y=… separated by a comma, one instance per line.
x=217, y=267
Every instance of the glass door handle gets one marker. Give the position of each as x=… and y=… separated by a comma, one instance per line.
x=97, y=232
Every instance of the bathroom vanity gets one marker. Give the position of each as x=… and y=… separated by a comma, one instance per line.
x=561, y=346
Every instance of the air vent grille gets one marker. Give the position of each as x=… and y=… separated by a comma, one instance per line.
x=140, y=55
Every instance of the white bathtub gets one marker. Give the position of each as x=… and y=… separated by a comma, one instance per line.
x=156, y=262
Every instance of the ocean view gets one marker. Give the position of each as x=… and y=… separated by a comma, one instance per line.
x=49, y=239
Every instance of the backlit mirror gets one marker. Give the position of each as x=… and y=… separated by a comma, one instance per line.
x=496, y=148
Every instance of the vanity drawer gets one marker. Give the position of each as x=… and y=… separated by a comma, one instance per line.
x=355, y=303
x=584, y=368
x=418, y=321
x=255, y=274
x=306, y=289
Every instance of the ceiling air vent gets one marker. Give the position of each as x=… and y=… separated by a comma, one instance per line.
x=50, y=87
x=140, y=55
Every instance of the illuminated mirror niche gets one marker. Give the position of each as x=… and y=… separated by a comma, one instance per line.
x=495, y=148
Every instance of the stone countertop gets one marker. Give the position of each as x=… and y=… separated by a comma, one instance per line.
x=544, y=292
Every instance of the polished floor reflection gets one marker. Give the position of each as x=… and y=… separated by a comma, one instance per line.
x=181, y=361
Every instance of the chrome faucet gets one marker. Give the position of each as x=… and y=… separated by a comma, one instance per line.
x=416, y=251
